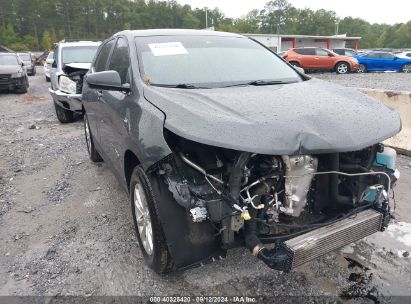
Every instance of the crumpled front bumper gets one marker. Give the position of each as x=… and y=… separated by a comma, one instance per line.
x=70, y=102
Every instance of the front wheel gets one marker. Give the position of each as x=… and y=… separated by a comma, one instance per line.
x=342, y=68
x=150, y=235
x=362, y=68
x=91, y=149
x=63, y=115
x=406, y=68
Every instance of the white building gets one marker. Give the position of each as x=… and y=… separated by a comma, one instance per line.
x=284, y=42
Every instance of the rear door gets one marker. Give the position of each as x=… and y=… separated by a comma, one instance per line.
x=306, y=57
x=372, y=61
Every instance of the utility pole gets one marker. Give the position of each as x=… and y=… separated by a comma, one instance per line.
x=206, y=17
x=336, y=27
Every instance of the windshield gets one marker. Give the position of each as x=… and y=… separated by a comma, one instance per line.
x=9, y=60
x=84, y=54
x=25, y=57
x=209, y=61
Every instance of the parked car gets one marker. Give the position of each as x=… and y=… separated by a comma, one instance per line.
x=13, y=75
x=383, y=61
x=345, y=52
x=47, y=65
x=406, y=54
x=312, y=58
x=29, y=63
x=220, y=143
x=71, y=60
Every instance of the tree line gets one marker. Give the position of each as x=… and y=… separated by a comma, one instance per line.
x=37, y=24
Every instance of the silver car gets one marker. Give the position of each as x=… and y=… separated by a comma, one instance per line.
x=47, y=65
x=71, y=60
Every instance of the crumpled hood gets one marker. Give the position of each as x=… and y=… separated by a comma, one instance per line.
x=301, y=118
x=79, y=65
x=10, y=69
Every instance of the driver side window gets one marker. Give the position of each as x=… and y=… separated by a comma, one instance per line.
x=120, y=60
x=102, y=57
x=321, y=52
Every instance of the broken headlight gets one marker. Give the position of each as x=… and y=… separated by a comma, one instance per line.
x=67, y=85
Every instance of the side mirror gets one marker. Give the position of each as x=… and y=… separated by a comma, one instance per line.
x=330, y=55
x=107, y=80
x=395, y=58
x=54, y=64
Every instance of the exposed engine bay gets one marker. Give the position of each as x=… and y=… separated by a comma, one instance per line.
x=76, y=74
x=265, y=201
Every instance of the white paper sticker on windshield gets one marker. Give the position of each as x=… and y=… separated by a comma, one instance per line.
x=168, y=48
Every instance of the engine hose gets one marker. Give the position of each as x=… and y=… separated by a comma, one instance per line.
x=251, y=231
x=237, y=175
x=335, y=196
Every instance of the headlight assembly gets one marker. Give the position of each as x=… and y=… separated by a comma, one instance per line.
x=17, y=75
x=67, y=85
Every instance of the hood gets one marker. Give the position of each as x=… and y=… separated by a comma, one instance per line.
x=78, y=67
x=309, y=117
x=10, y=69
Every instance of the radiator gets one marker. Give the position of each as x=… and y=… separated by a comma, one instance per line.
x=318, y=242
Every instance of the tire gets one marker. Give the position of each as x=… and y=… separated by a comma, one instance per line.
x=342, y=68
x=406, y=68
x=91, y=149
x=155, y=252
x=362, y=68
x=47, y=79
x=34, y=72
x=63, y=115
x=25, y=87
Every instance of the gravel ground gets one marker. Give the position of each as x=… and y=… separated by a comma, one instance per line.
x=66, y=229
x=385, y=81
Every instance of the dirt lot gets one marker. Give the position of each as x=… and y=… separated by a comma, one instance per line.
x=66, y=228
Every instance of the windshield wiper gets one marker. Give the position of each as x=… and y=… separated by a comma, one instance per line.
x=257, y=83
x=179, y=86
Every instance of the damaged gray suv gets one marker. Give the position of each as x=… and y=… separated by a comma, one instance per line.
x=220, y=143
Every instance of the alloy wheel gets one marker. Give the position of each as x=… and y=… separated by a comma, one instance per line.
x=342, y=68
x=407, y=68
x=143, y=219
x=361, y=68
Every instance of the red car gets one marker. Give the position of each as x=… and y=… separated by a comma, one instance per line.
x=312, y=58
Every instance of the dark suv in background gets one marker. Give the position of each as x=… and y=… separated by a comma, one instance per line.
x=13, y=75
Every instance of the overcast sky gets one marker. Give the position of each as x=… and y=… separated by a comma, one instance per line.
x=393, y=11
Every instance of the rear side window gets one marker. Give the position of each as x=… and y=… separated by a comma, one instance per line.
x=372, y=55
x=120, y=60
x=339, y=51
x=386, y=55
x=305, y=51
x=102, y=57
x=408, y=54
